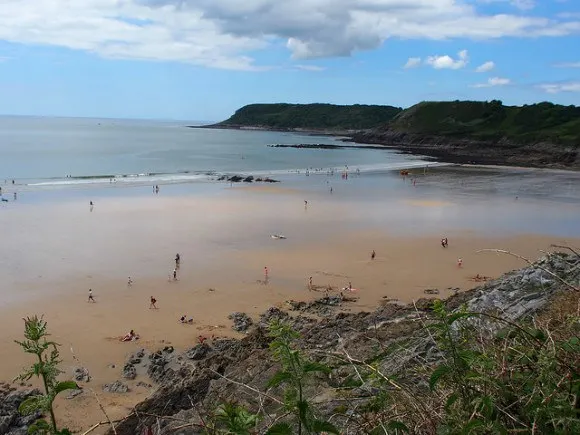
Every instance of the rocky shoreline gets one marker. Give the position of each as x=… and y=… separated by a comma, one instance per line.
x=186, y=384
x=501, y=152
x=222, y=370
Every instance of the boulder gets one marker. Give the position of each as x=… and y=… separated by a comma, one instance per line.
x=241, y=321
x=116, y=387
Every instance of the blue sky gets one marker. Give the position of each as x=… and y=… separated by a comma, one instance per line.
x=202, y=59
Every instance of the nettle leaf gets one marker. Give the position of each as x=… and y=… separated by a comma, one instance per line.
x=437, y=374
x=279, y=378
x=66, y=385
x=280, y=429
x=324, y=426
x=315, y=367
x=31, y=405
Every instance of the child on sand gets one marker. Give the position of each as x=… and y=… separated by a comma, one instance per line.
x=91, y=299
x=129, y=282
x=153, y=302
x=459, y=262
x=130, y=336
x=174, y=274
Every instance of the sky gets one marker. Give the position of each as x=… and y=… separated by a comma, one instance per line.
x=203, y=59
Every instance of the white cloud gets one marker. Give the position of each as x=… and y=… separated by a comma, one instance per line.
x=413, y=62
x=520, y=4
x=225, y=33
x=447, y=62
x=556, y=88
x=485, y=67
x=313, y=68
x=493, y=81
x=568, y=65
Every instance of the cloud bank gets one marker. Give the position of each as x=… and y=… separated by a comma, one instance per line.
x=227, y=33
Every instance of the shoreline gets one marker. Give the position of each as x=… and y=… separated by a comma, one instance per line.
x=441, y=148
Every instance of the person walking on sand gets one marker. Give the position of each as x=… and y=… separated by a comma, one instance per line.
x=444, y=242
x=91, y=299
x=459, y=262
x=175, y=274
x=152, y=304
x=177, y=260
x=305, y=204
x=129, y=282
x=310, y=286
x=266, y=273
x=373, y=255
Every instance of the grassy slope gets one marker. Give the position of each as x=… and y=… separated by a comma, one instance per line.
x=491, y=120
x=312, y=116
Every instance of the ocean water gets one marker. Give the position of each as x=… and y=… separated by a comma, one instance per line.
x=43, y=153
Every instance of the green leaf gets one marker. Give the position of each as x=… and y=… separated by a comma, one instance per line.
x=437, y=374
x=450, y=401
x=280, y=429
x=315, y=367
x=32, y=404
x=279, y=378
x=324, y=426
x=66, y=385
x=398, y=426
x=471, y=426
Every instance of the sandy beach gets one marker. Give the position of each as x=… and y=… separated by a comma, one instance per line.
x=53, y=253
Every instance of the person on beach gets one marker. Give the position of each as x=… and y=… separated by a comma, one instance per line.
x=349, y=286
x=184, y=319
x=175, y=274
x=305, y=204
x=15, y=196
x=444, y=242
x=265, y=274
x=310, y=286
x=459, y=262
x=153, y=302
x=130, y=336
x=177, y=260
x=373, y=255
x=91, y=299
x=129, y=282
x=331, y=190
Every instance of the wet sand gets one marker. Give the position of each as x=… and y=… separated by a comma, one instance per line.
x=58, y=251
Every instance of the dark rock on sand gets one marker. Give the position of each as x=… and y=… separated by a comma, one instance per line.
x=81, y=374
x=241, y=321
x=199, y=351
x=129, y=371
x=248, y=179
x=271, y=315
x=116, y=387
x=11, y=421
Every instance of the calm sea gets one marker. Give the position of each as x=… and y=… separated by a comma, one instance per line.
x=40, y=153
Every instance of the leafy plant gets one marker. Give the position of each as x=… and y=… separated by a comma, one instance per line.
x=296, y=369
x=46, y=368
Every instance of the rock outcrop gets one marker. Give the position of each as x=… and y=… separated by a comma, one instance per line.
x=11, y=421
x=202, y=377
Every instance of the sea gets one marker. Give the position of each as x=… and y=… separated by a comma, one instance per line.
x=49, y=153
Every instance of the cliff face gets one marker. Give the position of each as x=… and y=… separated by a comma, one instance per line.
x=226, y=370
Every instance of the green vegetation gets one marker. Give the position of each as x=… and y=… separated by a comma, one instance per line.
x=492, y=121
x=311, y=116
x=481, y=120
x=46, y=368
x=490, y=375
